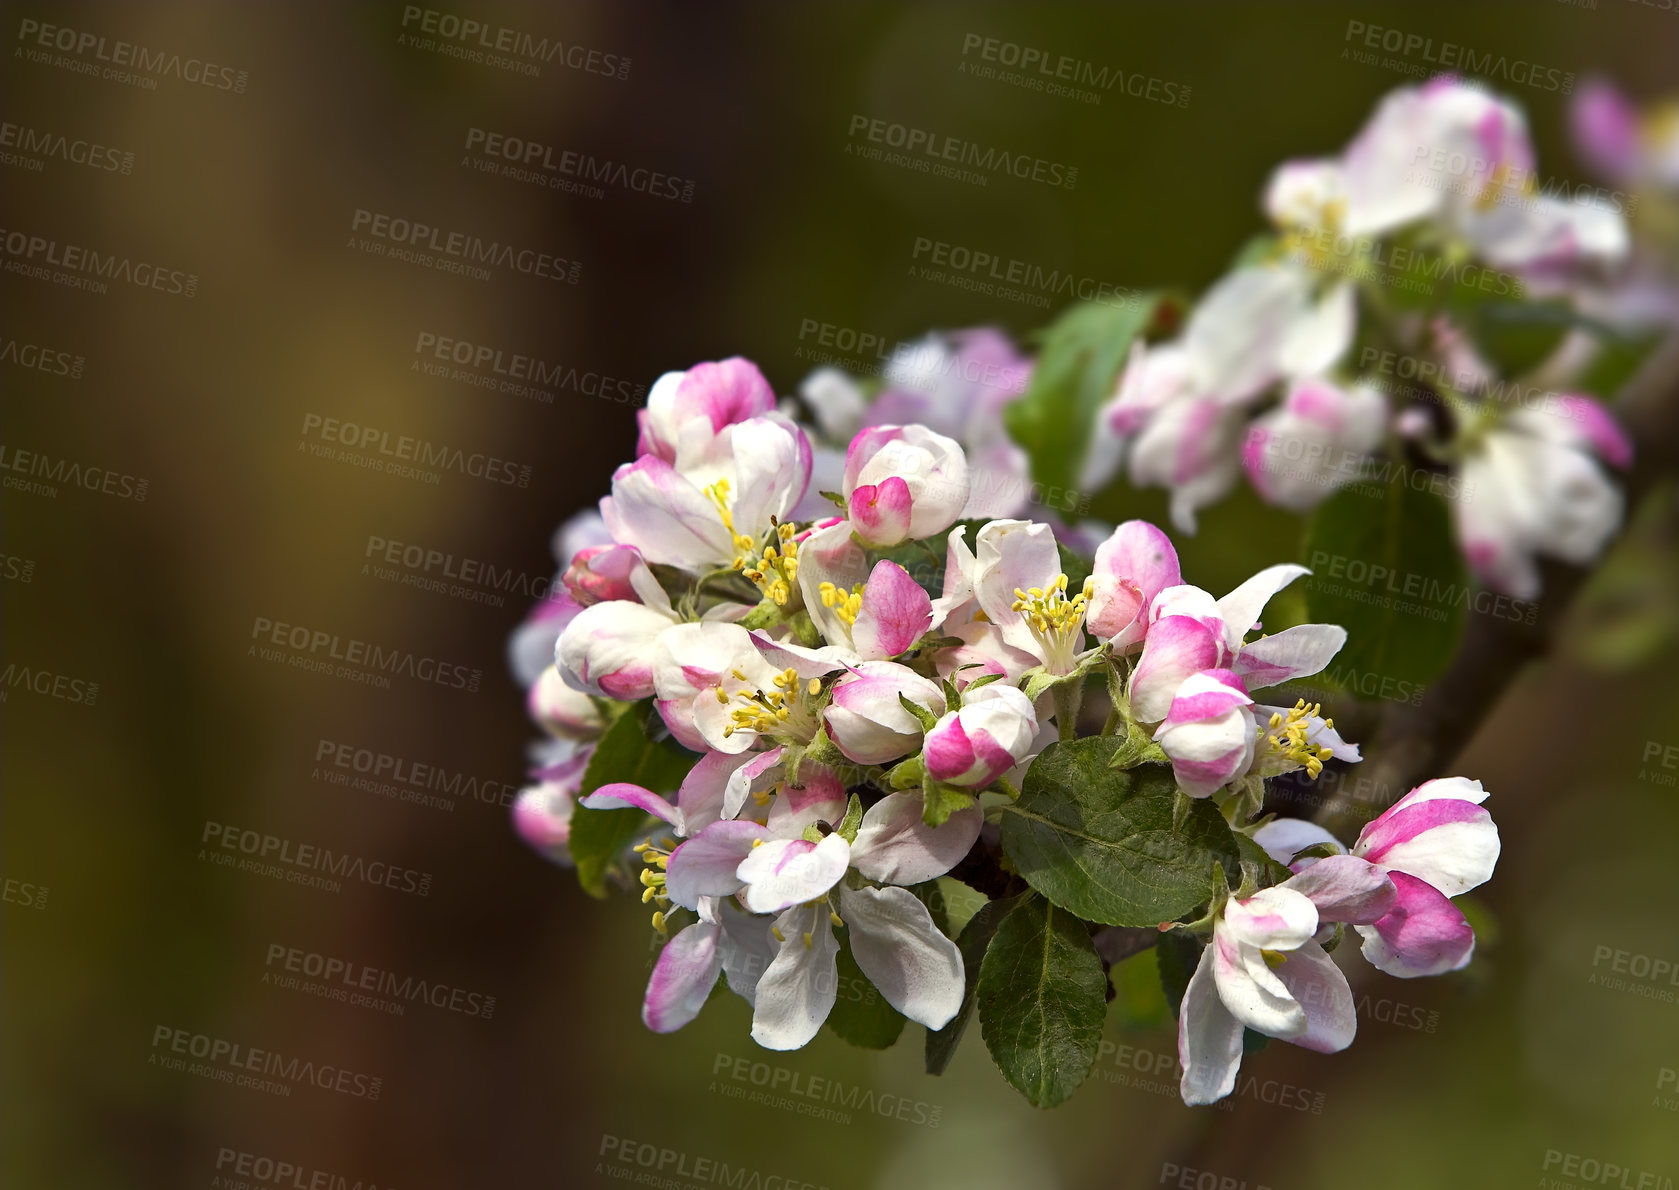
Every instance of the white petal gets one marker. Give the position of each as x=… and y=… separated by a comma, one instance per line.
x=1241, y=608
x=1209, y=1039
x=1317, y=984
x=894, y=845
x=898, y=947
x=789, y=872
x=797, y=993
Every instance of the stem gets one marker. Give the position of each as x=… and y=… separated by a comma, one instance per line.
x=1067, y=697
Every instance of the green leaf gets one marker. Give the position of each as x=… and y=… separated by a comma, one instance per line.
x=972, y=942
x=922, y=715
x=1098, y=841
x=625, y=753
x=1619, y=356
x=1387, y=570
x=1042, y=998
x=939, y=801
x=1269, y=870
x=1076, y=371
x=1177, y=955
x=861, y=1015
x=847, y=828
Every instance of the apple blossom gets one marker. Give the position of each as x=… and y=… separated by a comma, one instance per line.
x=993, y=730
x=903, y=482
x=694, y=406
x=1314, y=442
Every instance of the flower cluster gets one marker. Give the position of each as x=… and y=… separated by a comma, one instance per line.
x=1347, y=348
x=853, y=699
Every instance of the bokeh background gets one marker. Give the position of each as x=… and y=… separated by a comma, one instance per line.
x=116, y=923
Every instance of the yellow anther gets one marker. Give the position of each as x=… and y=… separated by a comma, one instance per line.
x=807, y=939
x=647, y=895
x=779, y=936
x=835, y=918
x=659, y=921
x=1054, y=619
x=814, y=688
x=758, y=842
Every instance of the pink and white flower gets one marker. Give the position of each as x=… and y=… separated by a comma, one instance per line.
x=1132, y=567
x=903, y=482
x=718, y=499
x=689, y=409
x=1264, y=970
x=993, y=730
x=1209, y=732
x=1536, y=488
x=1191, y=631
x=1317, y=440
x=866, y=719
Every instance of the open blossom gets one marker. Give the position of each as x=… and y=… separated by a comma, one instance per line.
x=1314, y=442
x=1435, y=843
x=903, y=482
x=1453, y=154
x=776, y=869
x=864, y=613
x=1264, y=970
x=1539, y=490
x=718, y=500
x=1192, y=632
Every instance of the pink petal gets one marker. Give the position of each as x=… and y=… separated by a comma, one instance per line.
x=705, y=865
x=621, y=795
x=1176, y=647
x=881, y=513
x=1296, y=652
x=1132, y=566
x=1424, y=934
x=1345, y=888
x=682, y=978
x=896, y=612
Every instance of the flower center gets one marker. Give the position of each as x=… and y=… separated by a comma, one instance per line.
x=776, y=570
x=1284, y=739
x=1056, y=621
x=782, y=711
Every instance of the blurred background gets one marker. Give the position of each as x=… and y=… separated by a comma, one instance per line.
x=186, y=505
